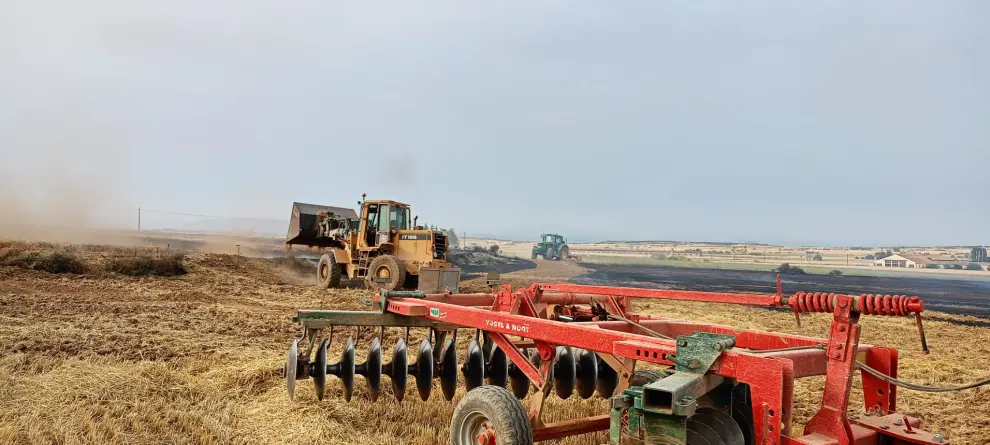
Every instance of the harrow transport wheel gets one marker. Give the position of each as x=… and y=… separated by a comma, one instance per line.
x=385, y=272
x=490, y=415
x=327, y=272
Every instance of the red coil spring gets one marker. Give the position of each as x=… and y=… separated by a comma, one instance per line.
x=816, y=302
x=885, y=304
x=868, y=304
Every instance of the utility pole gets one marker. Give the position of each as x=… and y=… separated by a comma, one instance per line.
x=139, y=219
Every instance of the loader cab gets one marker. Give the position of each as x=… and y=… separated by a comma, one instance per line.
x=383, y=217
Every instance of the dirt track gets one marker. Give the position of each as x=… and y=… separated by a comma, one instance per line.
x=970, y=297
x=195, y=359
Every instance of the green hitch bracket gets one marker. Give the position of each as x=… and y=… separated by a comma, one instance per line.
x=699, y=351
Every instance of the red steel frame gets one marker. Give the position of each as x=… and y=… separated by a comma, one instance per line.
x=768, y=362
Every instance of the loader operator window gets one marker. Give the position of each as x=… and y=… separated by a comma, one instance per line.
x=383, y=218
x=370, y=229
x=400, y=218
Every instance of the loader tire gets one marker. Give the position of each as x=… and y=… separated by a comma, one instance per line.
x=496, y=408
x=328, y=272
x=388, y=268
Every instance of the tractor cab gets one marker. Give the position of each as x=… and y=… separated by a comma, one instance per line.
x=552, y=238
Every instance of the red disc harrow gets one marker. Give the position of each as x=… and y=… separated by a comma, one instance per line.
x=716, y=384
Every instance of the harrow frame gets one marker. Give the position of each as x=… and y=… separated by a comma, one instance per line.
x=599, y=319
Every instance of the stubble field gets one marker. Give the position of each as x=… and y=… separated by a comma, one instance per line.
x=106, y=358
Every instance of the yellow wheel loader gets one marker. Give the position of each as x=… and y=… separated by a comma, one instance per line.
x=382, y=246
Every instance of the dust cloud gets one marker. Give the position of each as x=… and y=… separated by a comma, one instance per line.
x=61, y=180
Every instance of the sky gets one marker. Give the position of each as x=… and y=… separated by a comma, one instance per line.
x=838, y=123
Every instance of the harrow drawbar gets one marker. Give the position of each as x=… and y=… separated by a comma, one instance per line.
x=712, y=384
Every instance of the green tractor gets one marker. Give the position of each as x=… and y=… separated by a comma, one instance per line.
x=551, y=247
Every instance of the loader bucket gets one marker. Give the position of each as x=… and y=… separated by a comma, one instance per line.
x=433, y=279
x=304, y=224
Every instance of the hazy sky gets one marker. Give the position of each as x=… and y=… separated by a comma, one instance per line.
x=843, y=122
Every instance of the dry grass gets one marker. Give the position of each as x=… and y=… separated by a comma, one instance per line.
x=142, y=264
x=194, y=359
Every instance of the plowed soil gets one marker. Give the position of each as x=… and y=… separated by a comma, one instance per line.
x=100, y=358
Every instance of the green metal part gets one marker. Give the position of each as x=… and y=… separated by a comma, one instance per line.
x=658, y=412
x=643, y=425
x=697, y=352
x=677, y=394
x=319, y=319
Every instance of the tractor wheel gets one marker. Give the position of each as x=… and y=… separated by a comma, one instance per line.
x=327, y=272
x=548, y=255
x=385, y=272
x=564, y=253
x=490, y=415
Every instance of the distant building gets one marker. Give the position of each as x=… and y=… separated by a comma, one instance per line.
x=901, y=261
x=919, y=262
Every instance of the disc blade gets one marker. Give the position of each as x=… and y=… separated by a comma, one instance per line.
x=290, y=368
x=423, y=370
x=564, y=372
x=587, y=373
x=518, y=380
x=701, y=433
x=371, y=369
x=608, y=379
x=448, y=369
x=497, y=370
x=742, y=412
x=398, y=369
x=319, y=370
x=474, y=366
x=345, y=369
x=727, y=429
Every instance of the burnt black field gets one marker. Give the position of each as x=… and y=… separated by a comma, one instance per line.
x=971, y=297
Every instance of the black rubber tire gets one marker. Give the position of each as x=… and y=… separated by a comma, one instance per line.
x=328, y=272
x=503, y=412
x=397, y=273
x=644, y=377
x=564, y=253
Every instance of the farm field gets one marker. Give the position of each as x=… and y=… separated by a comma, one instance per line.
x=956, y=296
x=101, y=357
x=762, y=257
